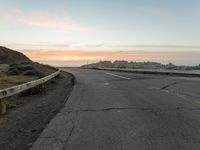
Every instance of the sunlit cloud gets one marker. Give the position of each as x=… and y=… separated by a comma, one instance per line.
x=64, y=55
x=43, y=19
x=159, y=46
x=100, y=47
x=164, y=57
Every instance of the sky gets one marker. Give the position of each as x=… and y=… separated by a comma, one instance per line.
x=72, y=32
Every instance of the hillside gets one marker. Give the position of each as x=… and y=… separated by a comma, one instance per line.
x=16, y=68
x=8, y=56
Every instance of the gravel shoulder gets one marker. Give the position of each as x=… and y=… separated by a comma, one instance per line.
x=21, y=126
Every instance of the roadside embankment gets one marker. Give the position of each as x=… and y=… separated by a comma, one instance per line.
x=30, y=113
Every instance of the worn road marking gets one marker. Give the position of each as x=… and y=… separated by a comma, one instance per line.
x=165, y=91
x=106, y=84
x=117, y=76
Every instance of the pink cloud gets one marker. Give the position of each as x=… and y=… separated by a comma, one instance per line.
x=76, y=57
x=43, y=19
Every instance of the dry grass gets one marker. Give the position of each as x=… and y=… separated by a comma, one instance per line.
x=16, y=79
x=15, y=74
x=3, y=67
x=11, y=80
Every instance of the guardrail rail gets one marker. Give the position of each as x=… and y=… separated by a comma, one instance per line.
x=23, y=87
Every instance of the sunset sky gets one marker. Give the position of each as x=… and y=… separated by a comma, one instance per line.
x=72, y=32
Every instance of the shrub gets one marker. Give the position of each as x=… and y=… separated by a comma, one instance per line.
x=13, y=71
x=13, y=65
x=25, y=68
x=31, y=73
x=34, y=73
x=25, y=63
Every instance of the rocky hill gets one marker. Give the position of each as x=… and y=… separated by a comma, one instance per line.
x=8, y=56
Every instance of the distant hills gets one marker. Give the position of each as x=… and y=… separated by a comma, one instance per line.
x=139, y=65
x=8, y=56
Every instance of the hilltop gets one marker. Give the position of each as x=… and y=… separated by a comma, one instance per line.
x=16, y=68
x=9, y=56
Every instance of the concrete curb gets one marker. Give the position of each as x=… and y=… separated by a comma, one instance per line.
x=55, y=135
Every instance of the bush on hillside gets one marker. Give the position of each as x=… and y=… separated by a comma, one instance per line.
x=34, y=73
x=25, y=68
x=13, y=71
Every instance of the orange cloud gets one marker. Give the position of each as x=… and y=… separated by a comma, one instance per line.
x=84, y=55
x=65, y=55
x=108, y=55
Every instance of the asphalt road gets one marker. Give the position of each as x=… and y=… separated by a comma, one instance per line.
x=127, y=111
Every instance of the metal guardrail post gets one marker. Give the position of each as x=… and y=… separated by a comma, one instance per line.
x=2, y=107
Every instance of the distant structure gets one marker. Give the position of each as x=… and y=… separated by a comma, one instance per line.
x=139, y=65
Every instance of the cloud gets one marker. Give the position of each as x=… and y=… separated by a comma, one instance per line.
x=94, y=45
x=43, y=19
x=60, y=55
x=158, y=46
x=75, y=55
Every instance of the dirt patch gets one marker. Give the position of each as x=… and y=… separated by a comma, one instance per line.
x=21, y=126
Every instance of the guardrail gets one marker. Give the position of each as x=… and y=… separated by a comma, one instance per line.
x=23, y=87
x=20, y=88
x=194, y=73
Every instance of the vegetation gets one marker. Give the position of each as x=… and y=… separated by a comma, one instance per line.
x=15, y=74
x=3, y=67
x=16, y=68
x=17, y=79
x=24, y=69
x=196, y=67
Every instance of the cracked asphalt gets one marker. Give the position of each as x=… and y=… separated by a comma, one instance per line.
x=126, y=111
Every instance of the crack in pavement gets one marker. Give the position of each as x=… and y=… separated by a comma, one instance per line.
x=70, y=134
x=132, y=108
x=155, y=111
x=106, y=109
x=168, y=85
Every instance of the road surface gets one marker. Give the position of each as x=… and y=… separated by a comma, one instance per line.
x=126, y=111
